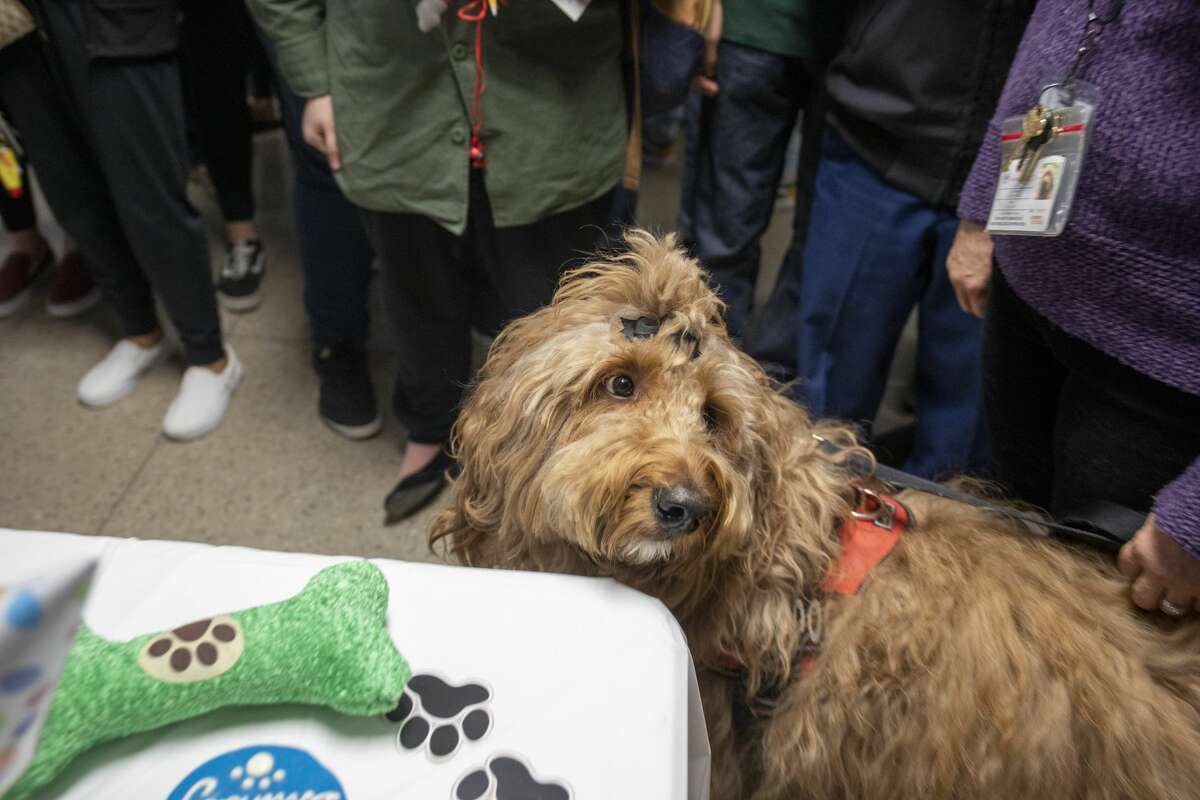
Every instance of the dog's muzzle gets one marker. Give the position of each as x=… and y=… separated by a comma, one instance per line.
x=678, y=509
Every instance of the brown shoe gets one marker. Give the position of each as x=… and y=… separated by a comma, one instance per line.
x=74, y=291
x=17, y=276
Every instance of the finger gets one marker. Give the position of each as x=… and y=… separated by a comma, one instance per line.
x=313, y=138
x=982, y=307
x=976, y=309
x=331, y=149
x=978, y=298
x=1128, y=562
x=1147, y=592
x=704, y=85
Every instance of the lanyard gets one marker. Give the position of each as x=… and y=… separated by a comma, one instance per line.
x=1092, y=28
x=475, y=11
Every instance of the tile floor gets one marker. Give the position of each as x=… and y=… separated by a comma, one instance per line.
x=272, y=475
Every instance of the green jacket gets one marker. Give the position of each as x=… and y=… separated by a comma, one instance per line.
x=555, y=124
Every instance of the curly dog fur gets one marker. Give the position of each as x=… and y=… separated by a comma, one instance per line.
x=978, y=661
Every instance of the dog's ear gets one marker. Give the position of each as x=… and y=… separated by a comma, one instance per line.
x=799, y=498
x=500, y=439
x=804, y=492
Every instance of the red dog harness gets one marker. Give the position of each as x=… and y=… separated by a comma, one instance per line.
x=867, y=536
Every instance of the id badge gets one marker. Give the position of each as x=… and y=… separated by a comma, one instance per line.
x=1041, y=159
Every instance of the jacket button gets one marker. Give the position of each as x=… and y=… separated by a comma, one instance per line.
x=459, y=51
x=457, y=136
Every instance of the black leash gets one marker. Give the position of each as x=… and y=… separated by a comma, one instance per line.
x=1100, y=524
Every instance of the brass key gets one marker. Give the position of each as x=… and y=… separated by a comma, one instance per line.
x=1036, y=132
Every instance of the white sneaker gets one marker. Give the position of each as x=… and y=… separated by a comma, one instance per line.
x=115, y=376
x=202, y=400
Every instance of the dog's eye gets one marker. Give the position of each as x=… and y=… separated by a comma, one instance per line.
x=711, y=417
x=620, y=385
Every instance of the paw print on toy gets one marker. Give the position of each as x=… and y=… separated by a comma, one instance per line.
x=437, y=715
x=193, y=652
x=258, y=772
x=506, y=776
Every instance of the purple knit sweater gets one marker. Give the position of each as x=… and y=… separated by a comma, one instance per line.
x=1125, y=274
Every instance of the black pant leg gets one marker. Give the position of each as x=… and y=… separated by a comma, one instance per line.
x=1022, y=384
x=1072, y=425
x=426, y=296
x=1120, y=436
x=523, y=264
x=217, y=42
x=37, y=92
x=136, y=121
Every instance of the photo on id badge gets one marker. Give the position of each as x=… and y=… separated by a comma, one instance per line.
x=1028, y=206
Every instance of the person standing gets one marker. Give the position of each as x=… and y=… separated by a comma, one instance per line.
x=909, y=96
x=336, y=258
x=756, y=78
x=218, y=42
x=97, y=96
x=483, y=150
x=1092, y=347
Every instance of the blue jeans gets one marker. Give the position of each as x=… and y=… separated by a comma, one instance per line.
x=873, y=252
x=736, y=143
x=334, y=251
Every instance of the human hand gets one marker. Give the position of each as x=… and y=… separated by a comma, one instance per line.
x=970, y=266
x=705, y=83
x=318, y=129
x=1160, y=570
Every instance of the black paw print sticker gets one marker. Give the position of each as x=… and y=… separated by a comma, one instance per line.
x=438, y=715
x=508, y=777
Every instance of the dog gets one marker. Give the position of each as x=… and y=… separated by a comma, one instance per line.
x=619, y=432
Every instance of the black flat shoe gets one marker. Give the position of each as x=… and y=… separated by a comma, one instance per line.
x=418, y=490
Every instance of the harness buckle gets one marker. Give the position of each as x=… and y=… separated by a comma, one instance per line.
x=869, y=506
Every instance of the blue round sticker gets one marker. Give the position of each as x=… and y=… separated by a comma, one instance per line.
x=24, y=611
x=266, y=771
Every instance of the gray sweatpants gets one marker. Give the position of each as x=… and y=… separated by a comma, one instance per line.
x=106, y=139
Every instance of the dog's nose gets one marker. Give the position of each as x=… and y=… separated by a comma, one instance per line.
x=678, y=509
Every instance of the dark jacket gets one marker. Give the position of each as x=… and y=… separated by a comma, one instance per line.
x=915, y=83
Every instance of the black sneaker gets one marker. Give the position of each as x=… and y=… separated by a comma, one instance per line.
x=347, y=401
x=240, y=285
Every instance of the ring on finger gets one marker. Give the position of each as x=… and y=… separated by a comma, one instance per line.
x=1172, y=609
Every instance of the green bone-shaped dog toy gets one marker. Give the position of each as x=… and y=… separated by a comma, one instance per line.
x=327, y=646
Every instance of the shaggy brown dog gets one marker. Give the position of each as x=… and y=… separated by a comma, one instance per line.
x=619, y=432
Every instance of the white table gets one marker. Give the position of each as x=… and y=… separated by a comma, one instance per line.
x=592, y=682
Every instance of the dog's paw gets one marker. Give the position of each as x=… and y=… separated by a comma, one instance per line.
x=438, y=715
x=506, y=776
